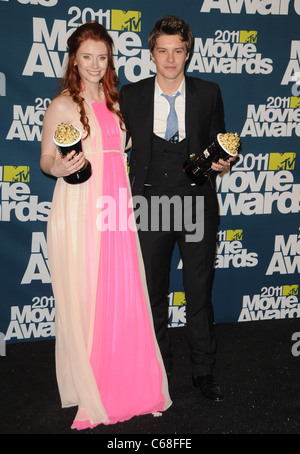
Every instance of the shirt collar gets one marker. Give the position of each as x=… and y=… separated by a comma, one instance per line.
x=159, y=92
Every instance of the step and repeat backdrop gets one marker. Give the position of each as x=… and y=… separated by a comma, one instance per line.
x=251, y=48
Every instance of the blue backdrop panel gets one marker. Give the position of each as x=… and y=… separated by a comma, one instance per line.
x=252, y=50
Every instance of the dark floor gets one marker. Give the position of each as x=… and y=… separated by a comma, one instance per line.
x=256, y=368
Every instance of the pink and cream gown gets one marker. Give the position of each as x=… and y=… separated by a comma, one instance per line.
x=107, y=359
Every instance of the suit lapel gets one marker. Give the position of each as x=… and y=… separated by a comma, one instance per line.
x=147, y=102
x=191, y=105
x=144, y=118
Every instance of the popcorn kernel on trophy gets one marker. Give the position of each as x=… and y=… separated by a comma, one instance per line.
x=66, y=139
x=199, y=168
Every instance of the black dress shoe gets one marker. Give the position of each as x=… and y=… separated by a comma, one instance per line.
x=208, y=387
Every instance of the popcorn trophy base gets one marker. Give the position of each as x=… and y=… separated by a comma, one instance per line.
x=198, y=168
x=85, y=172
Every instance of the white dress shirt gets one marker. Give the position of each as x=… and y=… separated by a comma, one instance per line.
x=162, y=108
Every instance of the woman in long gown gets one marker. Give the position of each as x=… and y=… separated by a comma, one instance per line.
x=107, y=359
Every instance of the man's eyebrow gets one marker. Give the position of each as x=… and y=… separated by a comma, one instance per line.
x=165, y=48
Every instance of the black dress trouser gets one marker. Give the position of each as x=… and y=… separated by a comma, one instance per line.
x=198, y=263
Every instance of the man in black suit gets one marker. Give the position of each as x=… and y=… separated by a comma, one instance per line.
x=156, y=169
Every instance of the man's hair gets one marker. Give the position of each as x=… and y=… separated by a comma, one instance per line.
x=171, y=25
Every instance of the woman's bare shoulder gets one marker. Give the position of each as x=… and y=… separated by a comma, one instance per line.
x=61, y=108
x=62, y=101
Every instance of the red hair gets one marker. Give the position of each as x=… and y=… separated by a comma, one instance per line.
x=72, y=80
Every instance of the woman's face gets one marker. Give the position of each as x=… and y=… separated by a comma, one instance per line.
x=92, y=61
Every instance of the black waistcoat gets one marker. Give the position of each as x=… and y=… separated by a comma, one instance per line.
x=166, y=163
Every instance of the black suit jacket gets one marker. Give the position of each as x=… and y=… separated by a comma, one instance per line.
x=204, y=120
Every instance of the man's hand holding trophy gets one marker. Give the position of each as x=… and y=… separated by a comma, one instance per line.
x=198, y=168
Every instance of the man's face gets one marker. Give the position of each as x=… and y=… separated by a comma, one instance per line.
x=170, y=56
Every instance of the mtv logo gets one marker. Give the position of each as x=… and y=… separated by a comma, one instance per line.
x=179, y=299
x=2, y=345
x=16, y=173
x=290, y=290
x=282, y=161
x=234, y=235
x=295, y=102
x=248, y=36
x=126, y=20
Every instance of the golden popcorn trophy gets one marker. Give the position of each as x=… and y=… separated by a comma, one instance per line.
x=199, y=168
x=66, y=139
